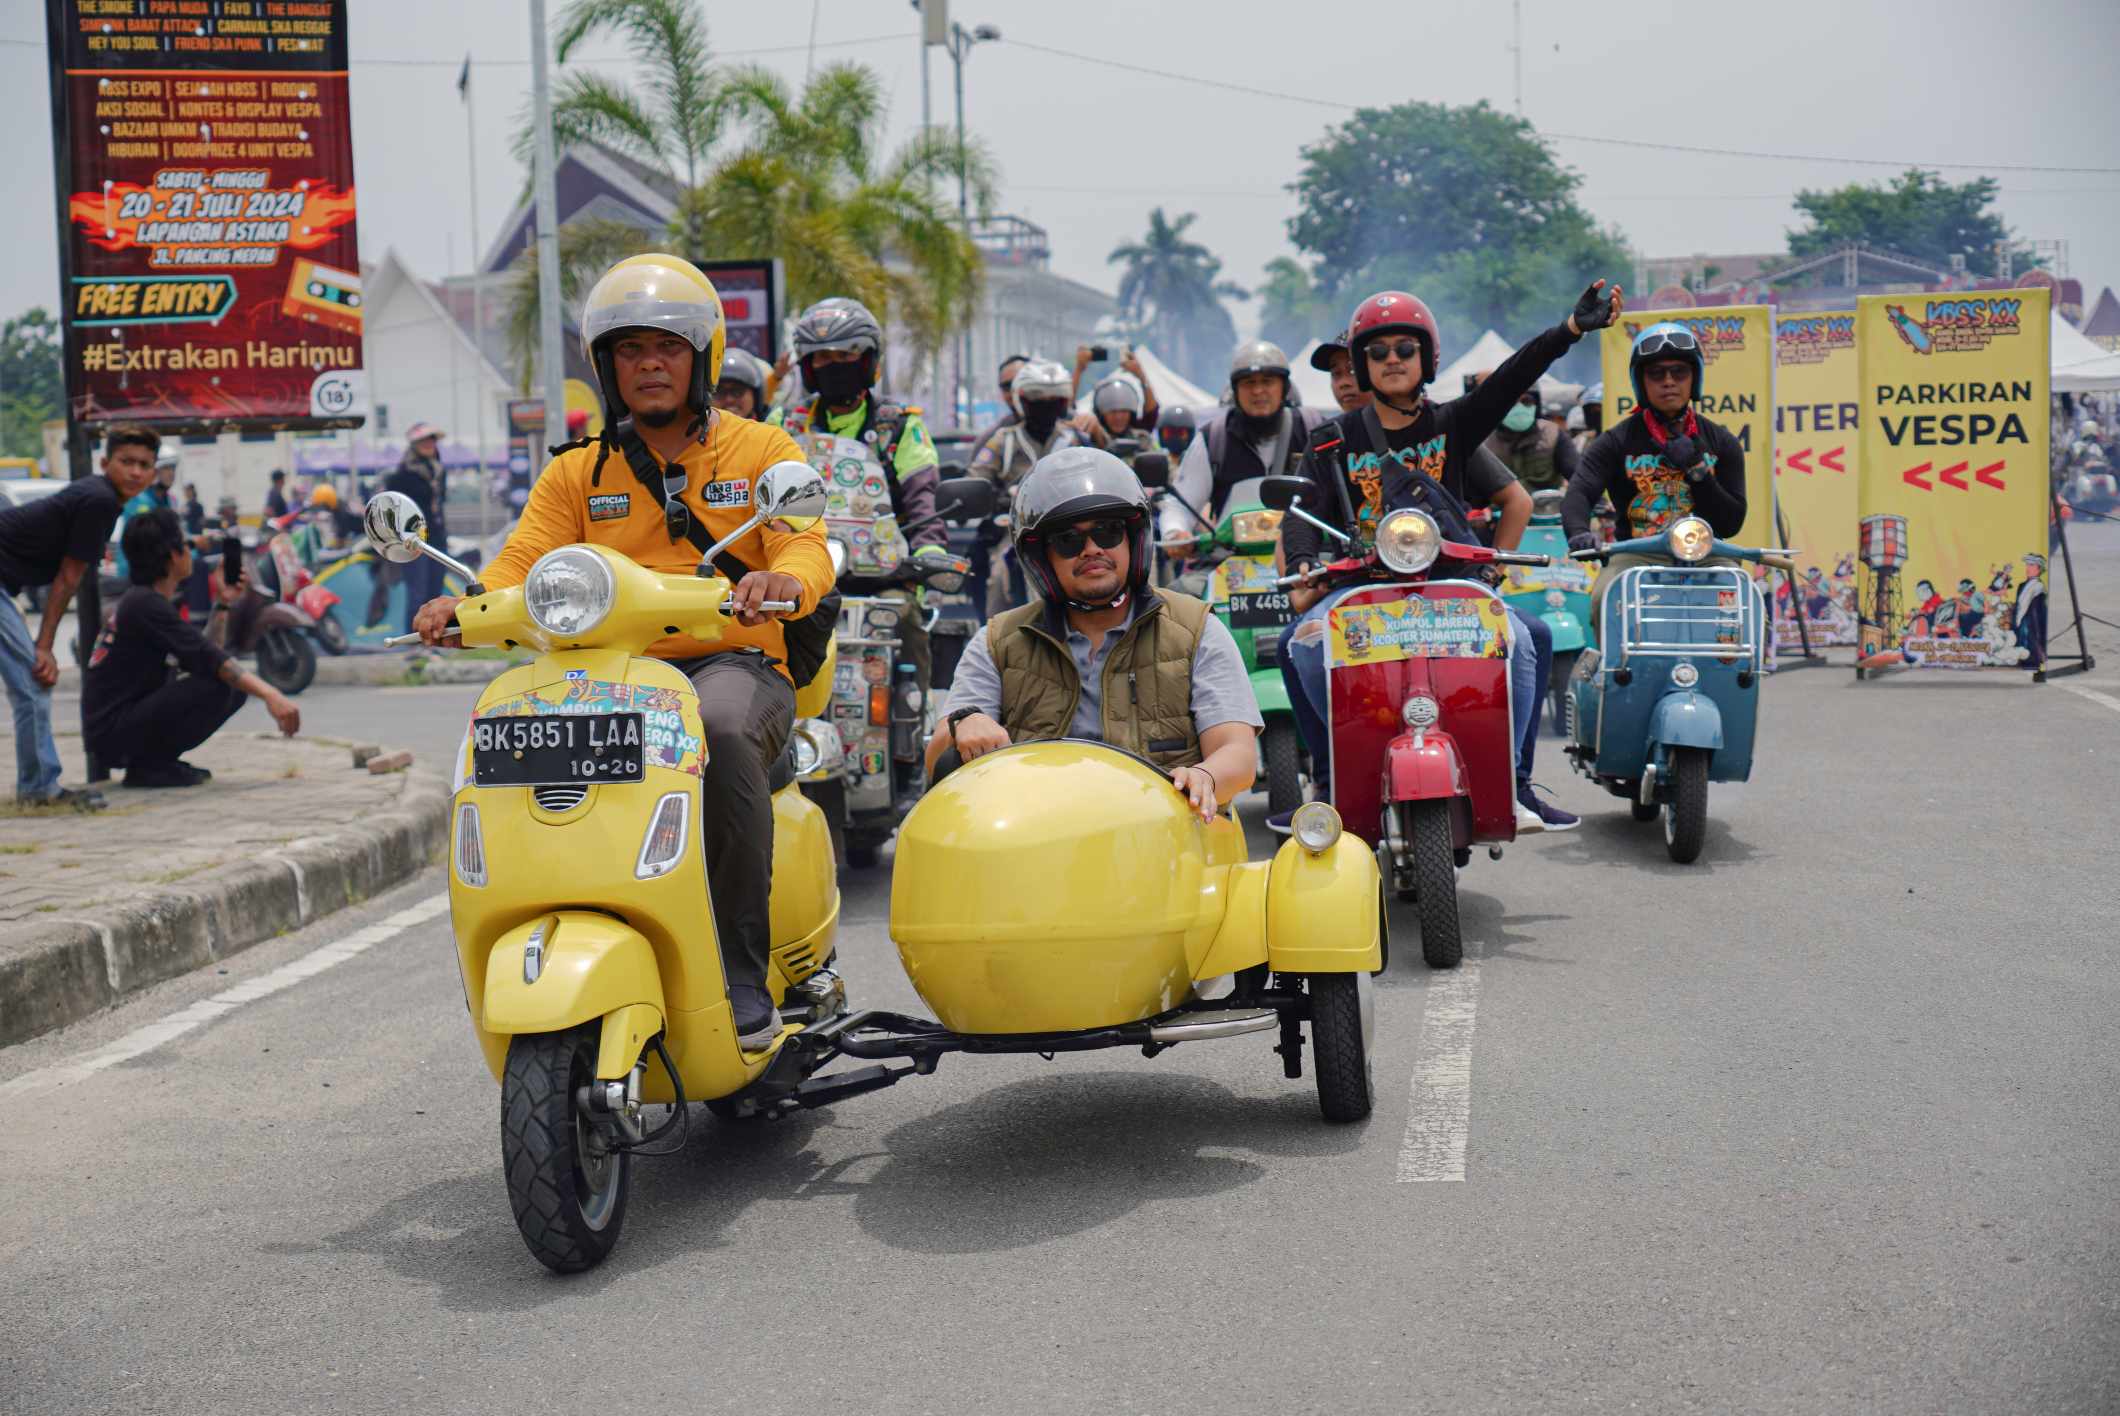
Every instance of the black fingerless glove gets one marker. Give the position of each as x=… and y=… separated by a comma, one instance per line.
x=1682, y=453
x=1583, y=541
x=1594, y=310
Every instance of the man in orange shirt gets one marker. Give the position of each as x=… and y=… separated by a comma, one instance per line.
x=652, y=328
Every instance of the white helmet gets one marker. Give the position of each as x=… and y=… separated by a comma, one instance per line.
x=1042, y=378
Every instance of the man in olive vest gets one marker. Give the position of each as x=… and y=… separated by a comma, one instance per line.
x=1538, y=452
x=1100, y=653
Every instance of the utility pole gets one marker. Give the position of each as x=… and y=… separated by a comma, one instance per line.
x=548, y=311
x=478, y=305
x=961, y=42
x=1516, y=20
x=934, y=29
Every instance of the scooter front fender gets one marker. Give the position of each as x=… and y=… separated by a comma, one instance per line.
x=1686, y=719
x=1423, y=766
x=1271, y=690
x=571, y=967
x=1568, y=636
x=1324, y=912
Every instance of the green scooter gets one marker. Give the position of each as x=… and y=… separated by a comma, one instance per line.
x=1558, y=593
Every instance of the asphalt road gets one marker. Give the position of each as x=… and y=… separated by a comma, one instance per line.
x=1826, y=1122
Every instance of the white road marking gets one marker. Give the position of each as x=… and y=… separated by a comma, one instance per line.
x=2093, y=695
x=206, y=1010
x=1441, y=1113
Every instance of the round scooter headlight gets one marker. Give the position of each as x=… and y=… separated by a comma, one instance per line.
x=569, y=591
x=1315, y=826
x=1555, y=600
x=1408, y=541
x=1684, y=674
x=1421, y=711
x=1690, y=539
x=837, y=550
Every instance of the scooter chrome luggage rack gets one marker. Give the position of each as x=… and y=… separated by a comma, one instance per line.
x=1682, y=626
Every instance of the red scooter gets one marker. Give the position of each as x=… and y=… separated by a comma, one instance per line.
x=1417, y=685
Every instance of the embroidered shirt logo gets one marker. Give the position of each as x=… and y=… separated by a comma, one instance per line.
x=610, y=506
x=735, y=493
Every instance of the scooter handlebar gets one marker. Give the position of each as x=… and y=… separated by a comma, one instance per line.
x=770, y=607
x=400, y=641
x=1520, y=558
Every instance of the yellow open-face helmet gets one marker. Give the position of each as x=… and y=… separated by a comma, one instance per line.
x=654, y=291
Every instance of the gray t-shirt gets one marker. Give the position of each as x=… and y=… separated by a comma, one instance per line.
x=1221, y=689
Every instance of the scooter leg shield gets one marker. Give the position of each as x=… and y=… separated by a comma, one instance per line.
x=567, y=968
x=1322, y=913
x=1687, y=719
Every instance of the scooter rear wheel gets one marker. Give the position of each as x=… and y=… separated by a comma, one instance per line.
x=286, y=659
x=568, y=1192
x=1435, y=884
x=1341, y=1021
x=1284, y=774
x=1686, y=818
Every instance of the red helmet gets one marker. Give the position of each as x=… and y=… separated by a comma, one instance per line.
x=1392, y=312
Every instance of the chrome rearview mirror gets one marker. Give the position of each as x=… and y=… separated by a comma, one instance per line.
x=395, y=527
x=790, y=495
x=398, y=530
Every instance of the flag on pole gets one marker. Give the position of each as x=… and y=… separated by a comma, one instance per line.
x=463, y=80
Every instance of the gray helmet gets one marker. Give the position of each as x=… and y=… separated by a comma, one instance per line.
x=742, y=366
x=837, y=323
x=1075, y=484
x=1258, y=356
x=1119, y=392
x=1593, y=394
x=1042, y=378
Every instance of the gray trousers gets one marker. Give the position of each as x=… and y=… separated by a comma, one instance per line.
x=747, y=709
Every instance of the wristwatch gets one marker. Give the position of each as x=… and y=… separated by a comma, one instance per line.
x=957, y=717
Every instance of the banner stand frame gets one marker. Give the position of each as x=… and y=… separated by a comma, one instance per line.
x=2081, y=661
x=1810, y=658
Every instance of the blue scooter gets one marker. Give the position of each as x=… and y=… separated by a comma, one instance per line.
x=1669, y=699
x=1558, y=593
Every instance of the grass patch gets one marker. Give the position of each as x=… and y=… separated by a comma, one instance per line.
x=47, y=909
x=31, y=849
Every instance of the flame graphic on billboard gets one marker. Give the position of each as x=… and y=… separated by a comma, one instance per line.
x=129, y=216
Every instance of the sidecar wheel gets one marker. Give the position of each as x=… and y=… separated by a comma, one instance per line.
x=568, y=1192
x=1435, y=885
x=1686, y=819
x=1643, y=813
x=1341, y=1015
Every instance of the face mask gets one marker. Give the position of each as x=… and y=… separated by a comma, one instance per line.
x=1040, y=416
x=1259, y=429
x=1520, y=417
x=839, y=383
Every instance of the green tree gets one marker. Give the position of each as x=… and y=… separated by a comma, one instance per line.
x=32, y=381
x=1171, y=290
x=1465, y=206
x=1293, y=310
x=1915, y=214
x=762, y=170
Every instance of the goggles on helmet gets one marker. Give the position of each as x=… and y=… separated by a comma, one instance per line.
x=1670, y=341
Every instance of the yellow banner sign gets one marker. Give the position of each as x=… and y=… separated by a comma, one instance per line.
x=1953, y=487
x=1817, y=461
x=1461, y=627
x=1737, y=345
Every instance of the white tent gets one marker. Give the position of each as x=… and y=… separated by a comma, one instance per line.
x=1314, y=384
x=1172, y=391
x=1489, y=350
x=2079, y=365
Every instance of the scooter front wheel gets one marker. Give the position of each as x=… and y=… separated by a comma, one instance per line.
x=1686, y=818
x=1435, y=884
x=1342, y=1018
x=568, y=1190
x=1642, y=812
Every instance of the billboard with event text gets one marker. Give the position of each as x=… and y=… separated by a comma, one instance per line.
x=1817, y=460
x=209, y=263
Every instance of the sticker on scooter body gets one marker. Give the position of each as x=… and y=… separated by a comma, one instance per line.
x=1412, y=628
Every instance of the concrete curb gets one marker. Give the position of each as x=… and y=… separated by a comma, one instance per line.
x=78, y=966
x=373, y=670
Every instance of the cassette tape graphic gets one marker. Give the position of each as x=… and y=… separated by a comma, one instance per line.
x=325, y=296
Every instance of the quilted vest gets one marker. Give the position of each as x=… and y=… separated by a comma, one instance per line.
x=1147, y=678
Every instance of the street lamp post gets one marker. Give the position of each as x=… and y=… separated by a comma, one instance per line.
x=961, y=42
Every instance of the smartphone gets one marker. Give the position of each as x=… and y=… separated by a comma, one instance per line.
x=1098, y=353
x=232, y=559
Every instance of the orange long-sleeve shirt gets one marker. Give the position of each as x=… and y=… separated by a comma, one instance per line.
x=570, y=503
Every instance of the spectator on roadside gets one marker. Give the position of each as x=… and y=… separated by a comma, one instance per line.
x=419, y=475
x=276, y=499
x=134, y=714
x=194, y=510
x=54, y=541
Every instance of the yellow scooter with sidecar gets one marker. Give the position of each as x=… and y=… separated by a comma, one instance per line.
x=1049, y=897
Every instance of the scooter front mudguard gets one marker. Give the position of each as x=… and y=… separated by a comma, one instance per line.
x=1271, y=691
x=1423, y=767
x=1686, y=719
x=1324, y=912
x=571, y=967
x=1568, y=634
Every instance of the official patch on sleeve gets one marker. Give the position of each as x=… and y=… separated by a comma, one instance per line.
x=610, y=506
x=736, y=493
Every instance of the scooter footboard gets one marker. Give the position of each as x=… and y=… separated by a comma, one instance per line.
x=568, y=968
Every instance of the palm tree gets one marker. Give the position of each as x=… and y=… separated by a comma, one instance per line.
x=761, y=170
x=1171, y=287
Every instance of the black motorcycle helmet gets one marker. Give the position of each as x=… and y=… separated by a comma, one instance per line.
x=1175, y=429
x=838, y=323
x=1072, y=485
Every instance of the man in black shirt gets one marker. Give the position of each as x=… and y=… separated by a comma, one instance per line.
x=54, y=541
x=420, y=475
x=133, y=713
x=276, y=498
x=1403, y=450
x=1660, y=463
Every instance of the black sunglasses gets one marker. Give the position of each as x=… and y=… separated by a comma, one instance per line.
x=1069, y=543
x=1376, y=351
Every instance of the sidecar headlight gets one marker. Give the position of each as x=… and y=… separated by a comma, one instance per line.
x=1315, y=826
x=569, y=591
x=1421, y=711
x=1253, y=527
x=1408, y=541
x=1555, y=600
x=1690, y=539
x=1684, y=674
x=664, y=844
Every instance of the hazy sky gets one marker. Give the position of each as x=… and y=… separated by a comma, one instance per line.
x=1087, y=149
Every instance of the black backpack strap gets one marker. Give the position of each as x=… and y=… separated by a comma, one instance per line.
x=662, y=484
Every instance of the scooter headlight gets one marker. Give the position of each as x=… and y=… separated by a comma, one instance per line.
x=1690, y=539
x=1555, y=600
x=1408, y=541
x=1421, y=711
x=664, y=844
x=1315, y=826
x=1253, y=527
x=569, y=591
x=816, y=747
x=1684, y=674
